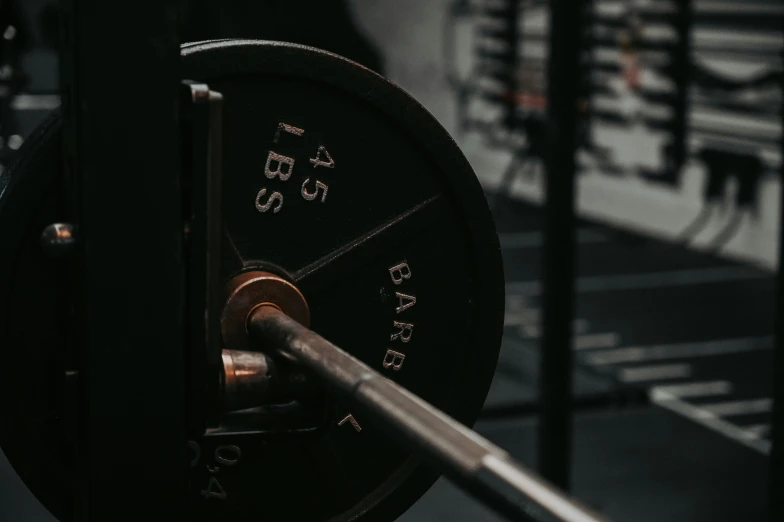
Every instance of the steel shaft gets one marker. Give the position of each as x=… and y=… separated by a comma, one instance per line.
x=475, y=464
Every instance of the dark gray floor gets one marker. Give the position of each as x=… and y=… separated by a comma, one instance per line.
x=641, y=464
x=642, y=305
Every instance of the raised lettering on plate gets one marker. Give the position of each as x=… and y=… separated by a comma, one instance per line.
x=283, y=166
x=351, y=420
x=264, y=207
x=400, y=272
x=323, y=159
x=394, y=360
x=310, y=196
x=404, y=333
x=284, y=127
x=406, y=301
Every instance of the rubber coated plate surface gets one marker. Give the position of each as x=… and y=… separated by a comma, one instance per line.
x=337, y=180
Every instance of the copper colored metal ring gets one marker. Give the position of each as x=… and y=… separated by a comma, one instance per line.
x=247, y=292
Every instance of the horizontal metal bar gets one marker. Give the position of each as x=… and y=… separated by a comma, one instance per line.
x=475, y=464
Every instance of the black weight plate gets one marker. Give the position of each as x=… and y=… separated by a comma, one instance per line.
x=389, y=187
x=31, y=323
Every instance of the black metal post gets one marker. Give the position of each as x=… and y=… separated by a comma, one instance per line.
x=776, y=478
x=564, y=78
x=588, y=84
x=513, y=43
x=120, y=91
x=681, y=67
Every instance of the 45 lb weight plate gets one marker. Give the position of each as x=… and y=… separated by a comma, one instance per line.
x=337, y=181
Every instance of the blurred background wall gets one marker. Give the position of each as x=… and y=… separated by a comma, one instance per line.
x=734, y=48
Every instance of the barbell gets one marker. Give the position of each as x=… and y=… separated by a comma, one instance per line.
x=336, y=208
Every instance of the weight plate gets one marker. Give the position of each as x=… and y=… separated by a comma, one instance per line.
x=31, y=329
x=338, y=181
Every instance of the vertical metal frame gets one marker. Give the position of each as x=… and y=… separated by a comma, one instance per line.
x=513, y=42
x=202, y=142
x=681, y=68
x=776, y=466
x=120, y=78
x=558, y=260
